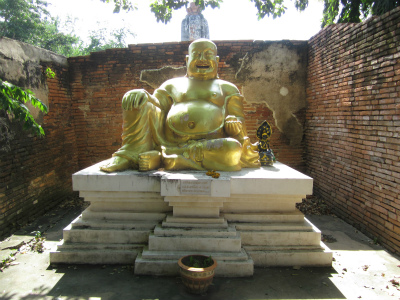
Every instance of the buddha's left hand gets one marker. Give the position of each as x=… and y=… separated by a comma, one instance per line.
x=233, y=126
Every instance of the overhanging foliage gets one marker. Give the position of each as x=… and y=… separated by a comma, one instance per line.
x=12, y=103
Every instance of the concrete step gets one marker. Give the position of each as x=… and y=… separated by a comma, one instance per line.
x=127, y=216
x=259, y=205
x=170, y=267
x=90, y=253
x=105, y=236
x=114, y=205
x=195, y=232
x=167, y=224
x=175, y=255
x=292, y=256
x=277, y=217
x=189, y=243
x=78, y=223
x=93, y=257
x=91, y=246
x=279, y=238
x=284, y=248
x=95, y=253
x=191, y=220
x=297, y=226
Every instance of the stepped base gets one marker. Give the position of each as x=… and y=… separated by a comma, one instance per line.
x=242, y=219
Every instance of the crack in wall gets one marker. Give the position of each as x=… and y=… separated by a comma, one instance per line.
x=276, y=76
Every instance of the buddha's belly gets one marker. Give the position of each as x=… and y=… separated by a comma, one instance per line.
x=195, y=120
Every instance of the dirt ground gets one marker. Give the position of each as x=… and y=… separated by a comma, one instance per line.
x=360, y=269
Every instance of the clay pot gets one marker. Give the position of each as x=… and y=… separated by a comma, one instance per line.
x=196, y=280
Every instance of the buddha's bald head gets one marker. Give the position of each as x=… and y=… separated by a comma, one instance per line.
x=200, y=42
x=202, y=61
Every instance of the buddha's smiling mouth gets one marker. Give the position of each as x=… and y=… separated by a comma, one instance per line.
x=202, y=67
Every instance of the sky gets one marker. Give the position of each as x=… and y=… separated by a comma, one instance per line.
x=234, y=20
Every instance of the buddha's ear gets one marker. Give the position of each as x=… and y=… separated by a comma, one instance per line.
x=187, y=58
x=217, y=58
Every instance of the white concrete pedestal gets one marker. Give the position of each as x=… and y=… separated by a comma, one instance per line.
x=243, y=219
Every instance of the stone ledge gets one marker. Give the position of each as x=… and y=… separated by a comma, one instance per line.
x=276, y=180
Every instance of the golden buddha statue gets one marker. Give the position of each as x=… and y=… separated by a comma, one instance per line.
x=194, y=122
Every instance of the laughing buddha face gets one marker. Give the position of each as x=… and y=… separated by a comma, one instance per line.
x=202, y=61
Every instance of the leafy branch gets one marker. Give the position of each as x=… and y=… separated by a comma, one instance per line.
x=49, y=73
x=162, y=9
x=125, y=5
x=341, y=11
x=12, y=104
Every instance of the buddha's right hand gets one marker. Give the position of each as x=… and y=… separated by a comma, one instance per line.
x=134, y=99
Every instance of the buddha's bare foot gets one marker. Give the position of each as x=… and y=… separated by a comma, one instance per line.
x=192, y=152
x=251, y=163
x=150, y=160
x=250, y=157
x=169, y=161
x=179, y=162
x=116, y=163
x=174, y=150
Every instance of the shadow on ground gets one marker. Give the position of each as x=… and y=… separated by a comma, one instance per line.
x=119, y=282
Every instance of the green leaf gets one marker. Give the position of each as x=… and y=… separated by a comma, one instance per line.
x=12, y=99
x=163, y=9
x=125, y=5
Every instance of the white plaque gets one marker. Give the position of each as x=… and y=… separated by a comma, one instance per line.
x=196, y=187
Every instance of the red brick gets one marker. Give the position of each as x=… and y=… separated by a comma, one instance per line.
x=371, y=77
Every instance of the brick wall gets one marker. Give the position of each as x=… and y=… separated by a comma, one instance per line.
x=36, y=174
x=99, y=81
x=353, y=123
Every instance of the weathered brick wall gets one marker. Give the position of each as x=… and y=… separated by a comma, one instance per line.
x=100, y=80
x=353, y=122
x=36, y=173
